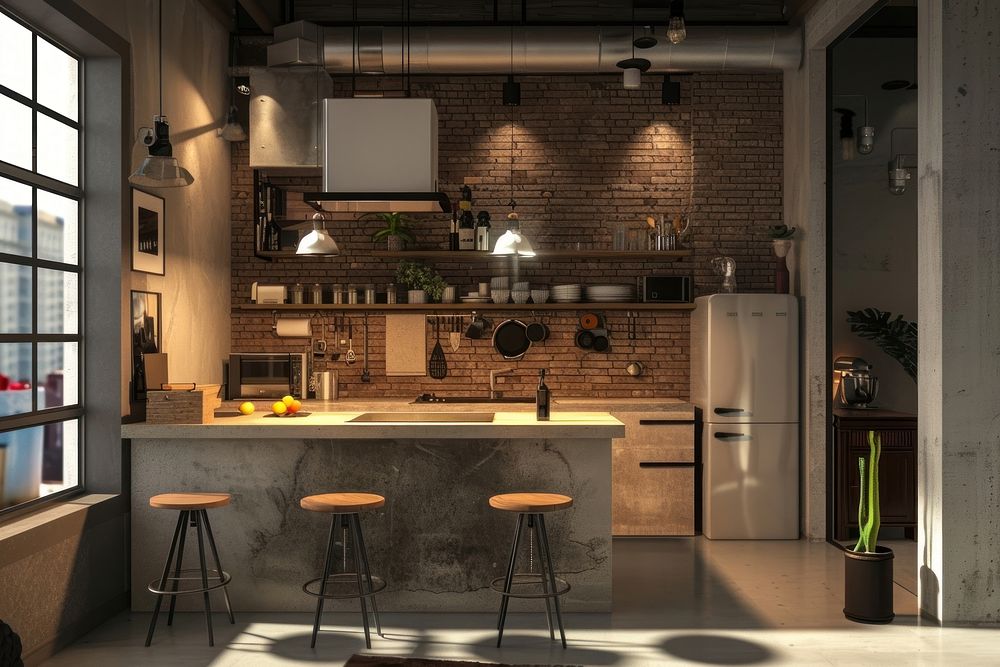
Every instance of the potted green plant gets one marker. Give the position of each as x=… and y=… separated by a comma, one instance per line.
x=893, y=335
x=396, y=231
x=421, y=280
x=868, y=567
x=781, y=241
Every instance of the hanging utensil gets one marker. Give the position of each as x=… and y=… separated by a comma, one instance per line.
x=366, y=376
x=438, y=364
x=456, y=332
x=351, y=357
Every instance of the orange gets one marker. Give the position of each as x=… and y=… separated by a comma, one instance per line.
x=294, y=407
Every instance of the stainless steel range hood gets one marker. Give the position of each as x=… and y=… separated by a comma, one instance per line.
x=381, y=156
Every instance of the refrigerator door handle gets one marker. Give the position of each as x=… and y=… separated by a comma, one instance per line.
x=728, y=411
x=723, y=435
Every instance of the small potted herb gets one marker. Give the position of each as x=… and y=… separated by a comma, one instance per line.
x=781, y=240
x=421, y=280
x=396, y=232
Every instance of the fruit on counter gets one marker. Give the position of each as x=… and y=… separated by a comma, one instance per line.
x=294, y=406
x=287, y=400
x=279, y=408
x=246, y=408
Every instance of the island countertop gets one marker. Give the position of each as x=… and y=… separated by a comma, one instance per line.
x=506, y=424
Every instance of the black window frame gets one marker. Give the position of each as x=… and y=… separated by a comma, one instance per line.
x=39, y=415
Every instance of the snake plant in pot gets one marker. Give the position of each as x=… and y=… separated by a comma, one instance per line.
x=868, y=567
x=396, y=232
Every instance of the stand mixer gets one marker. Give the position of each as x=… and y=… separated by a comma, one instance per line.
x=858, y=387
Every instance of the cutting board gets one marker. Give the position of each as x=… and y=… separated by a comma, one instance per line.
x=405, y=345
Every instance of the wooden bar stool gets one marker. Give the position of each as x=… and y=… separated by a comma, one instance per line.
x=193, y=514
x=345, y=508
x=533, y=506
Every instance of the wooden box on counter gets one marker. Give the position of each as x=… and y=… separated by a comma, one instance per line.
x=183, y=404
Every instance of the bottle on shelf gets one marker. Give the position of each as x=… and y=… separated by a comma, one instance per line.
x=466, y=223
x=542, y=398
x=453, y=234
x=483, y=231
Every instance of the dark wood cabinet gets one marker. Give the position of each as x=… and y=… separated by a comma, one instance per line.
x=897, y=468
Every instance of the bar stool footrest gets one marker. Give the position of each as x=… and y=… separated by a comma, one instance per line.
x=213, y=585
x=526, y=579
x=341, y=581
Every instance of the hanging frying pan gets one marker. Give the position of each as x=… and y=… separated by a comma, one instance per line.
x=584, y=339
x=537, y=332
x=510, y=339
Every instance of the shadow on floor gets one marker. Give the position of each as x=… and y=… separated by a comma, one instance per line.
x=716, y=650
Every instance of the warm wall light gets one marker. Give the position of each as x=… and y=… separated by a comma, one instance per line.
x=846, y=133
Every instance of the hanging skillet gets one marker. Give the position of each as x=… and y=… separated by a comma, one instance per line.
x=510, y=339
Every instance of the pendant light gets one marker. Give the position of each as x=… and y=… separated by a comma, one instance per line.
x=512, y=242
x=318, y=242
x=233, y=130
x=160, y=168
x=511, y=88
x=676, y=28
x=632, y=68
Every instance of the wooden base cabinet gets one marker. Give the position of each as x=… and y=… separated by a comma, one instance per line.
x=653, y=476
x=897, y=468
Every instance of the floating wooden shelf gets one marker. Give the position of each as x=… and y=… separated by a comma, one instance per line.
x=543, y=255
x=460, y=307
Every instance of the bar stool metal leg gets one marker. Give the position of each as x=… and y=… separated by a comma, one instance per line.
x=186, y=516
x=163, y=578
x=552, y=576
x=218, y=564
x=334, y=524
x=368, y=575
x=204, y=580
x=533, y=525
x=510, y=578
x=353, y=521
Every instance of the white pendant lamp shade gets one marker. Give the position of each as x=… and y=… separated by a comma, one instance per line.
x=232, y=130
x=161, y=171
x=513, y=242
x=632, y=78
x=318, y=241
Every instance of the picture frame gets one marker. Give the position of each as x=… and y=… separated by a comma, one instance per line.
x=146, y=332
x=148, y=221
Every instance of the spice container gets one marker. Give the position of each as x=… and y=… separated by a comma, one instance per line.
x=337, y=290
x=390, y=293
x=297, y=293
x=317, y=293
x=352, y=293
x=369, y=293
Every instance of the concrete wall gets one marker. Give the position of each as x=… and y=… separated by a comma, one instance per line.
x=874, y=254
x=195, y=287
x=959, y=255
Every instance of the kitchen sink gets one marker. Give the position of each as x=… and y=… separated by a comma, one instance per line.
x=431, y=417
x=433, y=398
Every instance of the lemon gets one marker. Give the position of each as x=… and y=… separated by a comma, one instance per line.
x=279, y=408
x=246, y=408
x=287, y=400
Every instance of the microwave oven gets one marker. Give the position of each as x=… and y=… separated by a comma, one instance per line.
x=266, y=375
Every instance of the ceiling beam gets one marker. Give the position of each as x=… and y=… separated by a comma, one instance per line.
x=256, y=10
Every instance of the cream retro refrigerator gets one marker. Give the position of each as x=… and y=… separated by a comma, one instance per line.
x=745, y=380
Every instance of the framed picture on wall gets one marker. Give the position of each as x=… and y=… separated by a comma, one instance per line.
x=146, y=342
x=147, y=232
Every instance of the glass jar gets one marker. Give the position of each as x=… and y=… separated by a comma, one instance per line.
x=369, y=293
x=352, y=293
x=317, y=293
x=337, y=293
x=298, y=293
x=390, y=293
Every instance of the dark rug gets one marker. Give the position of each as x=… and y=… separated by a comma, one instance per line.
x=392, y=661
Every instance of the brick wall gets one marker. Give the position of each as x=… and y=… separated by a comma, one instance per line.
x=588, y=155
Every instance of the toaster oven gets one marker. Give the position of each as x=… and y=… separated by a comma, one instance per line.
x=266, y=375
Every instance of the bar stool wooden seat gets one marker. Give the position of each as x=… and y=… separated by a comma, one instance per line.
x=534, y=506
x=361, y=583
x=193, y=514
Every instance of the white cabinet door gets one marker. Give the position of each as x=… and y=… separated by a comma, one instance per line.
x=751, y=481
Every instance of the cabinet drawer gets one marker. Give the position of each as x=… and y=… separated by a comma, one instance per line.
x=651, y=496
x=673, y=441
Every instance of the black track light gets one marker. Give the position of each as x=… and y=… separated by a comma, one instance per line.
x=511, y=92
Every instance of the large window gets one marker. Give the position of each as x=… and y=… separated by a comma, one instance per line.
x=41, y=198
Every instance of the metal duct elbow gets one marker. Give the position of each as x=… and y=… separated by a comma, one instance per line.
x=487, y=50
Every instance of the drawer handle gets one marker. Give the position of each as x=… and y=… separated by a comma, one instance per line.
x=666, y=422
x=722, y=435
x=728, y=411
x=664, y=464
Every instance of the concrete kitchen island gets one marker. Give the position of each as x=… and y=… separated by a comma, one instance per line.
x=436, y=542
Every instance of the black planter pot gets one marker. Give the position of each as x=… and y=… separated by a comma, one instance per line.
x=868, y=586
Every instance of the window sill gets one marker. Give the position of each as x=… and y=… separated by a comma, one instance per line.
x=29, y=533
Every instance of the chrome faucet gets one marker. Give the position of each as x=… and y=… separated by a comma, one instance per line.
x=494, y=374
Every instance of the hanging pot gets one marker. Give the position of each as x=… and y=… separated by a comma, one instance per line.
x=510, y=339
x=868, y=586
x=537, y=332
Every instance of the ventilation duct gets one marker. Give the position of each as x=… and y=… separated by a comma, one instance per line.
x=478, y=50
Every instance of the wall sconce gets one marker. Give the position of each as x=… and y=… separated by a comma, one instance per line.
x=899, y=175
x=866, y=133
x=671, y=92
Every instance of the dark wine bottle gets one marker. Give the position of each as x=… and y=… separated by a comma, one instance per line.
x=542, y=398
x=466, y=223
x=453, y=234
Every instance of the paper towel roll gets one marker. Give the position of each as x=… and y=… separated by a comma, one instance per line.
x=294, y=327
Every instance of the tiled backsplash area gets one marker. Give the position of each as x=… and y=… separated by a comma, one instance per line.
x=588, y=155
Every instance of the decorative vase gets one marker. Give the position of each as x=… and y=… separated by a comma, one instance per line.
x=868, y=586
x=782, y=279
x=416, y=296
x=395, y=243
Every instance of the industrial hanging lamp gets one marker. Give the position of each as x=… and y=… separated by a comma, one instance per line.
x=318, y=241
x=676, y=28
x=512, y=242
x=233, y=130
x=160, y=168
x=632, y=68
x=511, y=88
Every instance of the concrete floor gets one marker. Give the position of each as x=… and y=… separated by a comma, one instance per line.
x=676, y=601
